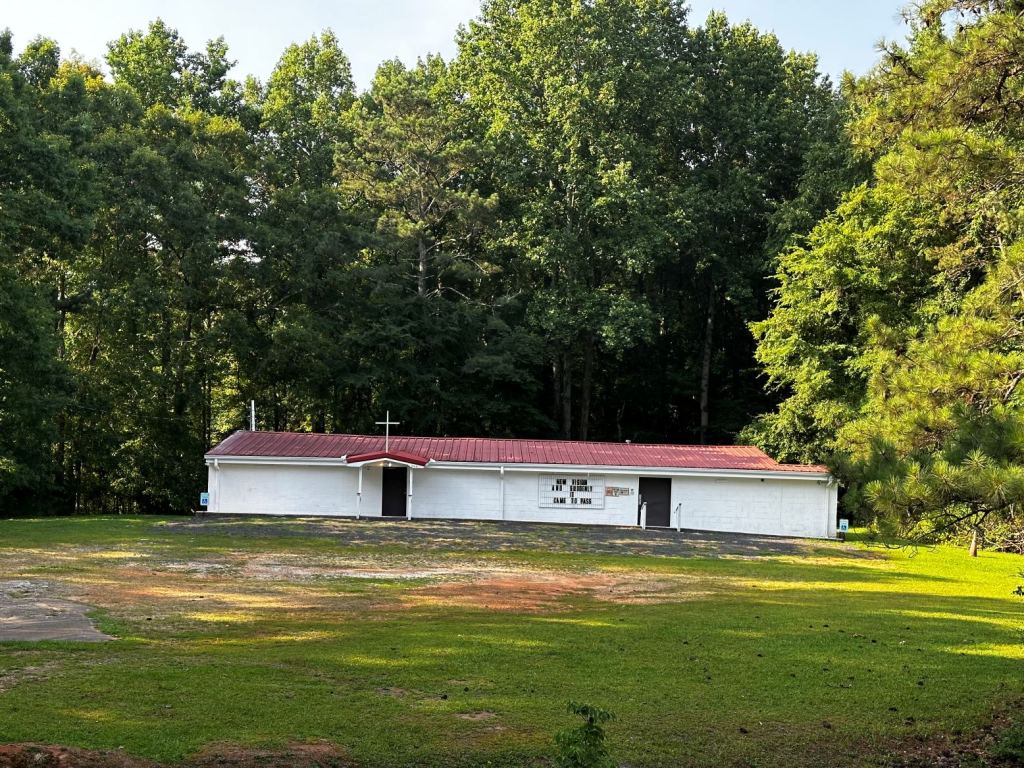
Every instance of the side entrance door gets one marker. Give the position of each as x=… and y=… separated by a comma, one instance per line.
x=657, y=492
x=394, y=482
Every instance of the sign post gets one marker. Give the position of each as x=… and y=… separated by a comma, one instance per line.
x=844, y=526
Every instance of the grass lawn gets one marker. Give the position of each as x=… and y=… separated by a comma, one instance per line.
x=460, y=655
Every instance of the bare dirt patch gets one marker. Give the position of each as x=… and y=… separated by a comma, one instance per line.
x=526, y=592
x=298, y=755
x=543, y=591
x=171, y=593
x=640, y=589
x=477, y=716
x=402, y=565
x=304, y=568
x=13, y=677
x=976, y=747
x=46, y=756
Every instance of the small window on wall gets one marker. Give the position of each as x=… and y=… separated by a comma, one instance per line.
x=570, y=491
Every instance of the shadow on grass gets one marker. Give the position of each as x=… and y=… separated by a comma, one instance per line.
x=784, y=676
x=801, y=658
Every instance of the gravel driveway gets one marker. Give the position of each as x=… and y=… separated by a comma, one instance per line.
x=492, y=536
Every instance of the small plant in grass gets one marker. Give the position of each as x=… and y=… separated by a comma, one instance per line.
x=584, y=745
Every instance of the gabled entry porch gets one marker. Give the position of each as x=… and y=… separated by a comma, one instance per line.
x=396, y=481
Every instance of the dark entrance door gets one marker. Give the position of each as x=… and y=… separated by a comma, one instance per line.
x=657, y=492
x=394, y=482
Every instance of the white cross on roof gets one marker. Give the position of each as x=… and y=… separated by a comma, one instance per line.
x=388, y=423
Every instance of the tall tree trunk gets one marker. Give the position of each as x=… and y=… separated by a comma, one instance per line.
x=421, y=268
x=586, y=387
x=181, y=369
x=974, y=542
x=62, y=417
x=77, y=474
x=566, y=396
x=62, y=314
x=556, y=388
x=207, y=408
x=705, y=367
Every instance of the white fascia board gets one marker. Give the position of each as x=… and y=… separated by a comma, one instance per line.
x=619, y=470
x=546, y=468
x=300, y=461
x=389, y=463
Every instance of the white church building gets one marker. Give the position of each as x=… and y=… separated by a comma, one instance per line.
x=711, y=488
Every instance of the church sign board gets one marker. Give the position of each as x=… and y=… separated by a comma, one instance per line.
x=556, y=491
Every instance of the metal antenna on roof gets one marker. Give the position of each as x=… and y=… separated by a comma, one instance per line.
x=388, y=423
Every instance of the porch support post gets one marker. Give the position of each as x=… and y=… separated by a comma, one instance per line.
x=501, y=492
x=216, y=486
x=408, y=505
x=359, y=492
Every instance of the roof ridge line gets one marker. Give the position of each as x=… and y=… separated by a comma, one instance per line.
x=507, y=439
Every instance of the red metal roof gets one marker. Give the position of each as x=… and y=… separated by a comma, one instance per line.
x=502, y=451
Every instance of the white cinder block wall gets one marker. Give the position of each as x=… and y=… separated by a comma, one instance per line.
x=521, y=500
x=773, y=507
x=777, y=507
x=289, y=489
x=455, y=493
x=477, y=495
x=279, y=489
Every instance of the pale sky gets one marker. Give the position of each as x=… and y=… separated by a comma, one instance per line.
x=844, y=34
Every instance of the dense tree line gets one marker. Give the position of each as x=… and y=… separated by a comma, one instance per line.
x=562, y=232
x=598, y=221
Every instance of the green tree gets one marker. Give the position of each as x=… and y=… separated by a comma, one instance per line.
x=147, y=291
x=574, y=96
x=47, y=207
x=940, y=441
x=765, y=130
x=409, y=162
x=565, y=230
x=894, y=332
x=449, y=352
x=939, y=119
x=860, y=274
x=296, y=296
x=159, y=68
x=33, y=388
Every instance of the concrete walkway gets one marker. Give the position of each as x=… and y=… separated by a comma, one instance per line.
x=28, y=613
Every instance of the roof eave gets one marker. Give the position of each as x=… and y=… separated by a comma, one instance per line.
x=642, y=470
x=527, y=467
